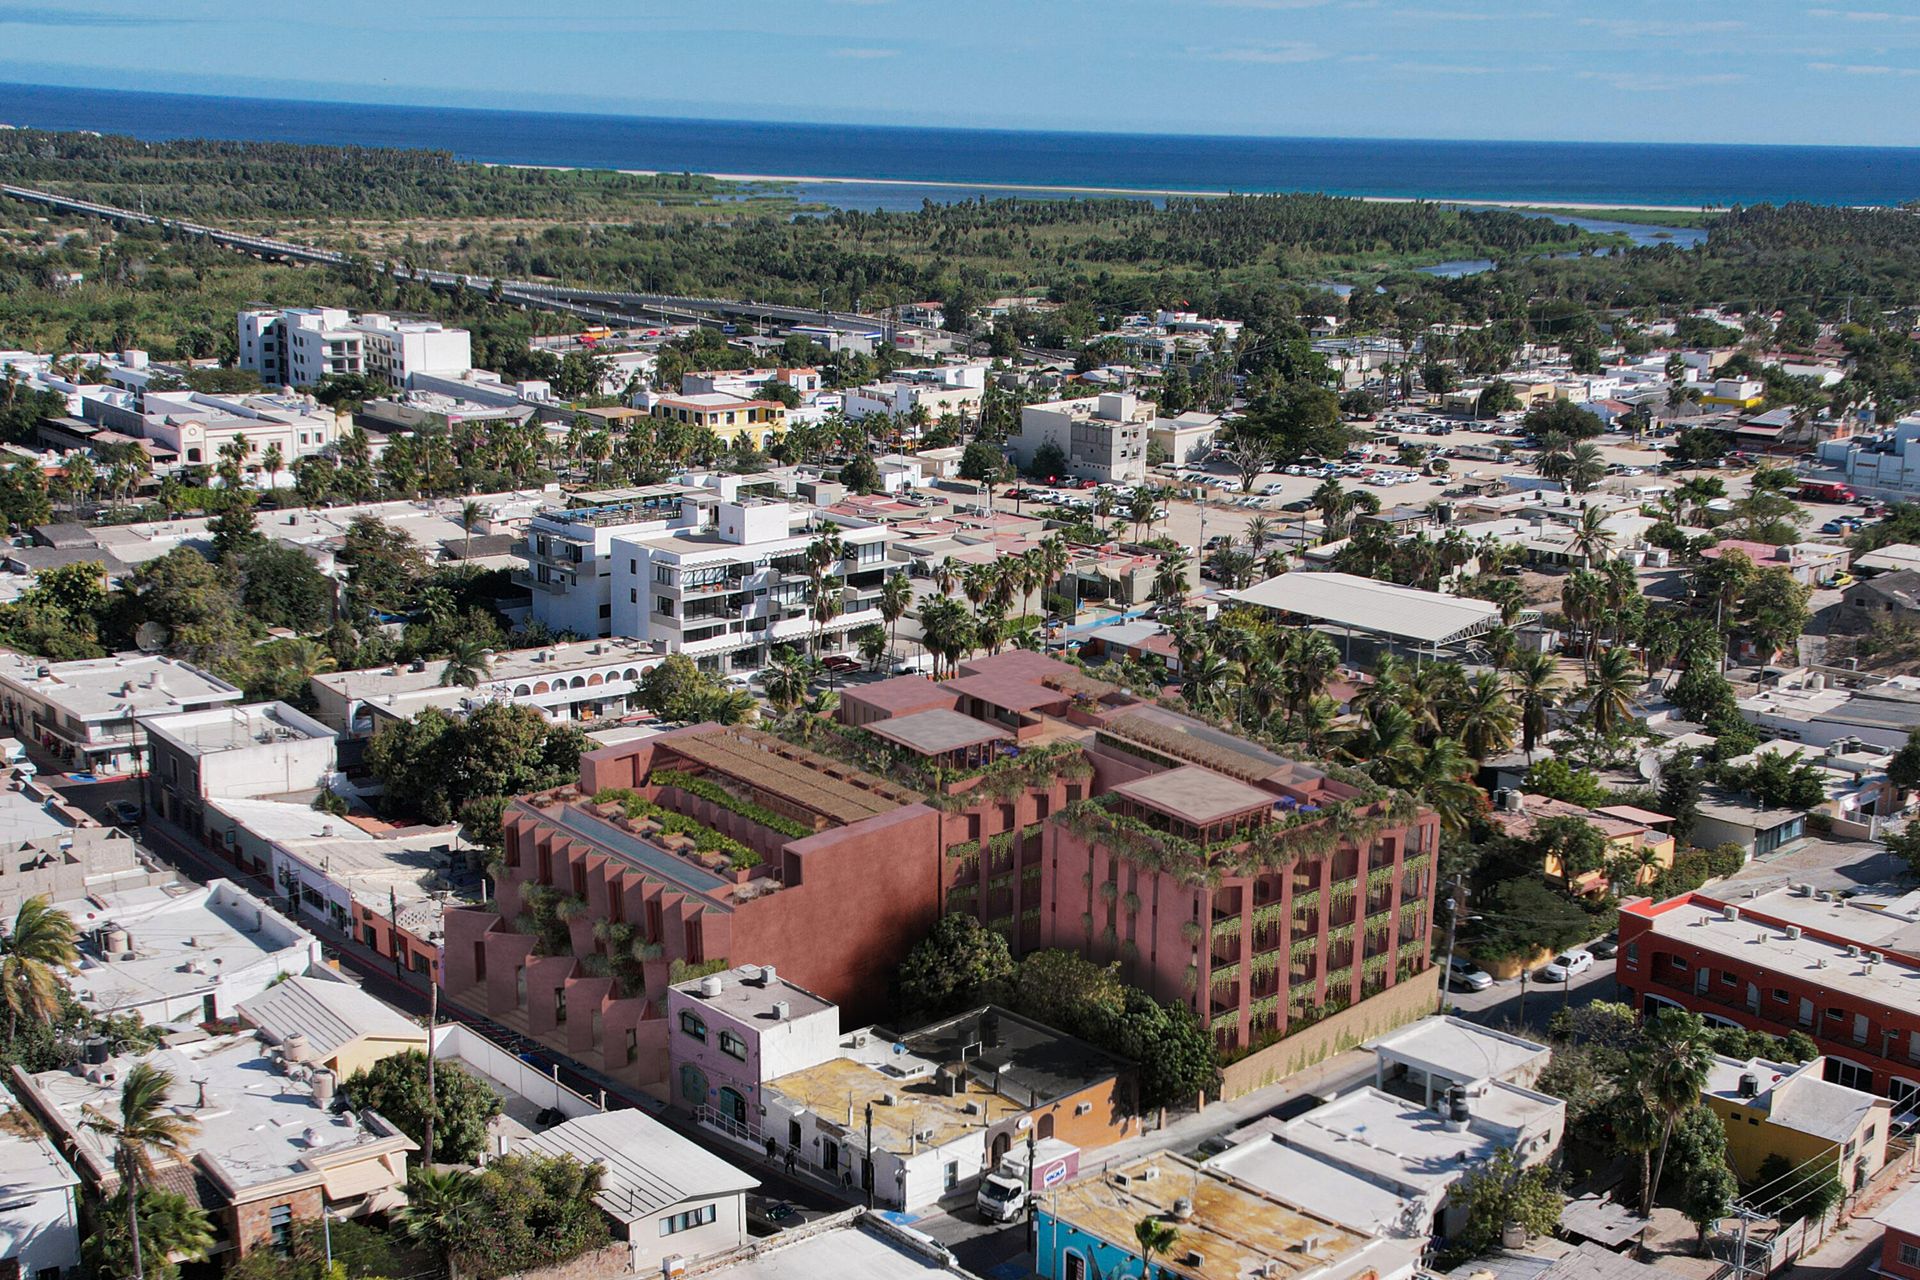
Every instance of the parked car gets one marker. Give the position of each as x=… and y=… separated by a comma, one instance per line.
x=1840, y=524
x=1298, y=504
x=1607, y=948
x=1563, y=966
x=1465, y=975
x=125, y=813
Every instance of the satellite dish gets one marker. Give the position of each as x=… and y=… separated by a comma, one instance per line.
x=1649, y=766
x=150, y=637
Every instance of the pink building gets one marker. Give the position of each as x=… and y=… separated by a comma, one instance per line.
x=729, y=1033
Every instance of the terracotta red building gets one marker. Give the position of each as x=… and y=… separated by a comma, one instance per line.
x=1054, y=807
x=1737, y=965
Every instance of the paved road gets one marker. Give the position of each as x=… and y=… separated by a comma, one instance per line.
x=1500, y=1004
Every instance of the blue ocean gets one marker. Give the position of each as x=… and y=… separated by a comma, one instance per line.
x=966, y=162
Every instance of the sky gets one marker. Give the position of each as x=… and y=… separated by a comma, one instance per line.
x=1741, y=71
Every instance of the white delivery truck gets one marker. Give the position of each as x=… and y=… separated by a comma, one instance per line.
x=1004, y=1193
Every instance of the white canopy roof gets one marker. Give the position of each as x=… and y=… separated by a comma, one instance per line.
x=1379, y=608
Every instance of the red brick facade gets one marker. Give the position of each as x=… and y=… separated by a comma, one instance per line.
x=1767, y=990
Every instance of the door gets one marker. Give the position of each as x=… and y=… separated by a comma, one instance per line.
x=1753, y=998
x=1076, y=1268
x=732, y=1105
x=1806, y=1012
x=1700, y=979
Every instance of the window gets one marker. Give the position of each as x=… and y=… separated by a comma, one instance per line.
x=690, y=1024
x=1780, y=994
x=1633, y=954
x=1076, y=1268
x=950, y=1177
x=733, y=1046
x=676, y=1223
x=280, y=1226
x=1910, y=1255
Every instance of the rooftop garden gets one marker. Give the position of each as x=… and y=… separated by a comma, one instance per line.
x=1000, y=779
x=678, y=833
x=1307, y=832
x=712, y=792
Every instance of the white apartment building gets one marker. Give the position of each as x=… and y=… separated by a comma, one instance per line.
x=751, y=383
x=569, y=552
x=298, y=346
x=83, y=713
x=728, y=592
x=586, y=681
x=1885, y=465
x=936, y=391
x=1103, y=438
x=40, y=1221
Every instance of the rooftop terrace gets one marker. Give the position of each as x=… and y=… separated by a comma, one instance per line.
x=837, y=791
x=1235, y=1230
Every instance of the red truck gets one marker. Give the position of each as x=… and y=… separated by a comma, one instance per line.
x=1827, y=491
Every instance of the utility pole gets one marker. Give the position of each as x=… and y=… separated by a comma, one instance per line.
x=393, y=919
x=869, y=1179
x=1032, y=1161
x=433, y=1099
x=1522, y=1017
x=1453, y=921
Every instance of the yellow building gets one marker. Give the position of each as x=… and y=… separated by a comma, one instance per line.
x=1633, y=837
x=331, y=1024
x=726, y=416
x=1774, y=1109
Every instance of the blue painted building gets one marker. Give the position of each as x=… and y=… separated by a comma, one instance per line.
x=1227, y=1230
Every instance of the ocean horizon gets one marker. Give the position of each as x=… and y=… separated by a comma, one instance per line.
x=952, y=164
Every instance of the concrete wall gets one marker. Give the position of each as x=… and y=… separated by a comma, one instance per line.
x=42, y=1232
x=727, y=1231
x=1398, y=1005
x=458, y=1044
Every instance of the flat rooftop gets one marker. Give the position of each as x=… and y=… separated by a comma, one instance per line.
x=920, y=1116
x=1390, y=1140
x=1183, y=738
x=509, y=667
x=936, y=732
x=1459, y=1050
x=1018, y=1053
x=1236, y=1229
x=256, y=1124
x=183, y=940
x=236, y=728
x=1199, y=796
x=866, y=1248
x=748, y=992
x=1267, y=1163
x=1893, y=982
x=1377, y=608
x=115, y=688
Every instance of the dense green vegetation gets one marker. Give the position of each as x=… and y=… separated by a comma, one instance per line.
x=198, y=179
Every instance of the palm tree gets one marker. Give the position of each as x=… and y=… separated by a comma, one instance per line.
x=467, y=664
x=1583, y=598
x=1307, y=661
x=442, y=1210
x=946, y=629
x=1313, y=722
x=1611, y=689
x=1103, y=509
x=976, y=584
x=470, y=512
x=945, y=574
x=1154, y=1237
x=1204, y=680
x=146, y=1124
x=1592, y=540
x=827, y=605
x=1674, y=1061
x=1170, y=579
x=1482, y=718
x=1634, y=1122
x=896, y=597
x=873, y=644
x=1141, y=506
x=787, y=678
x=40, y=942
x=1335, y=506
x=1259, y=534
x=1537, y=683
x=1054, y=560
x=1585, y=467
